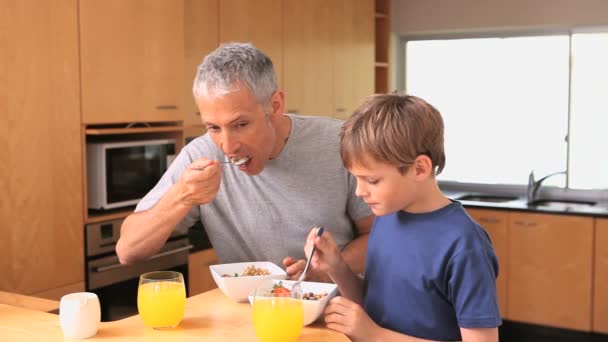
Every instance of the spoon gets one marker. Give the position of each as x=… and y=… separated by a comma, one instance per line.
x=296, y=289
x=237, y=162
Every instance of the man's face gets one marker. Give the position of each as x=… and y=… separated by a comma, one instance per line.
x=239, y=126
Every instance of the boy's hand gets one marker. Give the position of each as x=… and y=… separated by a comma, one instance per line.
x=294, y=269
x=328, y=257
x=349, y=318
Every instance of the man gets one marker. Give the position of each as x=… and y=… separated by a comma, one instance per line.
x=292, y=178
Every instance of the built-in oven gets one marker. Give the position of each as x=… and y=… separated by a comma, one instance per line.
x=116, y=284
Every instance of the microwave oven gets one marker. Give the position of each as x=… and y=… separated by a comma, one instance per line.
x=120, y=173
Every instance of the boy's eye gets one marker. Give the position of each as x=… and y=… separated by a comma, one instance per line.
x=373, y=181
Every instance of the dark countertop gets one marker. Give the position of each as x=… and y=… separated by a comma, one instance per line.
x=600, y=209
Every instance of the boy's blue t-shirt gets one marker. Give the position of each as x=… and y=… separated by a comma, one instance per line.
x=429, y=274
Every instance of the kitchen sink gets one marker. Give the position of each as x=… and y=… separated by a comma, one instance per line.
x=486, y=198
x=563, y=204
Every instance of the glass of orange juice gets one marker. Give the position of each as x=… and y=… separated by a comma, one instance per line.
x=161, y=299
x=277, y=317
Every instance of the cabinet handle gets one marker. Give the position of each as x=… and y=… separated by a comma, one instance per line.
x=293, y=111
x=526, y=223
x=340, y=110
x=166, y=107
x=197, y=113
x=489, y=220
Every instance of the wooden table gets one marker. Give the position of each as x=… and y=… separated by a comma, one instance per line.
x=210, y=316
x=28, y=302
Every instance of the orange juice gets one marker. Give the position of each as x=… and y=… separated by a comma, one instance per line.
x=161, y=304
x=278, y=319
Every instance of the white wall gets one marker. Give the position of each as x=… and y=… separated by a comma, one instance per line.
x=436, y=16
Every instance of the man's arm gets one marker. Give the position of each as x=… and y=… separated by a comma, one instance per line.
x=354, y=252
x=142, y=234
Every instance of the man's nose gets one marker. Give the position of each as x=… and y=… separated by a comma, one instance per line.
x=229, y=143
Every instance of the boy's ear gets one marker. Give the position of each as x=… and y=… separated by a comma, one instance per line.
x=423, y=167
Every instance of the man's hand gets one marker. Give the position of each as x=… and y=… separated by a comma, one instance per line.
x=349, y=318
x=294, y=269
x=199, y=183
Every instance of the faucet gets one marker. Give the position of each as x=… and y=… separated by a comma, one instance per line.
x=534, y=185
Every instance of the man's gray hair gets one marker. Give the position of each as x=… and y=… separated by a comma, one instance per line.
x=231, y=63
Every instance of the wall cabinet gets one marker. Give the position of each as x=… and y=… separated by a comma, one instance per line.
x=600, y=288
x=496, y=224
x=199, y=275
x=200, y=38
x=131, y=53
x=258, y=22
x=40, y=138
x=323, y=41
x=550, y=269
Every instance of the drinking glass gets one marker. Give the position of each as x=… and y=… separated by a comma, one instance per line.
x=277, y=318
x=161, y=299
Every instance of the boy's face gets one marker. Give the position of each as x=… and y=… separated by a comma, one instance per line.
x=383, y=187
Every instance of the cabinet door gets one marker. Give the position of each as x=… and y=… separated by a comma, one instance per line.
x=600, y=304
x=200, y=38
x=496, y=223
x=258, y=22
x=41, y=161
x=308, y=59
x=131, y=60
x=199, y=275
x=550, y=270
x=353, y=54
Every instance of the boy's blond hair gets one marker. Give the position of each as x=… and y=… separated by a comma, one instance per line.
x=393, y=129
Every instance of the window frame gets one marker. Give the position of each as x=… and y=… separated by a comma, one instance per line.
x=510, y=189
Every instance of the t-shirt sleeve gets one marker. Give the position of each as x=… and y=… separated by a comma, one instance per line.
x=357, y=208
x=472, y=288
x=170, y=177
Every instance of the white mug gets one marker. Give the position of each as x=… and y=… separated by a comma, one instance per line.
x=79, y=315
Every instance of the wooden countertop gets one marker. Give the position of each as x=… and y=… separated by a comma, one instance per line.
x=28, y=302
x=209, y=316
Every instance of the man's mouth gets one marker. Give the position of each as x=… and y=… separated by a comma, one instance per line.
x=239, y=161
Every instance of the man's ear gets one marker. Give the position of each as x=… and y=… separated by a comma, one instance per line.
x=277, y=103
x=423, y=167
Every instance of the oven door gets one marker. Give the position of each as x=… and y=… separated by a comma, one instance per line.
x=116, y=284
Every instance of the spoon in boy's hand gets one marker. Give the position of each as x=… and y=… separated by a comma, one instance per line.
x=296, y=289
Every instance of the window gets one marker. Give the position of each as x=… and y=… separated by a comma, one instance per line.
x=512, y=105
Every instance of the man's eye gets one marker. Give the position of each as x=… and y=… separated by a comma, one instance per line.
x=213, y=128
x=242, y=124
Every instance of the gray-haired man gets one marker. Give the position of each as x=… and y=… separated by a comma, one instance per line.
x=293, y=177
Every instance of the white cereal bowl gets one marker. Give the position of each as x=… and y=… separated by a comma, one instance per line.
x=237, y=288
x=313, y=309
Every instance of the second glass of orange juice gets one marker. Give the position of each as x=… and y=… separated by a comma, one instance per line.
x=277, y=319
x=161, y=299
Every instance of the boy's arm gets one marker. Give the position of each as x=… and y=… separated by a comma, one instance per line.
x=354, y=252
x=349, y=284
x=468, y=335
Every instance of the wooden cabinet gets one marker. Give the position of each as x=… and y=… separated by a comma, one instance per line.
x=496, y=224
x=308, y=59
x=382, y=40
x=132, y=54
x=550, y=269
x=40, y=138
x=258, y=22
x=353, y=51
x=200, y=38
x=600, y=288
x=199, y=275
x=328, y=55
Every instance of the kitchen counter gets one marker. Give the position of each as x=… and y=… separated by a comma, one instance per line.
x=600, y=209
x=28, y=302
x=210, y=316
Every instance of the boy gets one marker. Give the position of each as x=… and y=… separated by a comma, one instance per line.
x=430, y=268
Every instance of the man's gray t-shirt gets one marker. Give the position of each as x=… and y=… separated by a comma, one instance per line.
x=268, y=216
